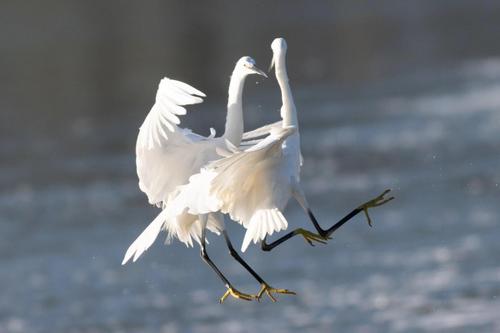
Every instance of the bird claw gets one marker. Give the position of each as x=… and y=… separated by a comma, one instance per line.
x=311, y=237
x=265, y=288
x=236, y=294
x=378, y=201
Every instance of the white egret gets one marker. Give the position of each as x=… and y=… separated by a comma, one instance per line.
x=254, y=186
x=167, y=155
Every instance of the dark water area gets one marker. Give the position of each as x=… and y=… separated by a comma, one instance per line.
x=390, y=95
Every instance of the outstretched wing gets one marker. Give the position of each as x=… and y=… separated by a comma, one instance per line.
x=239, y=176
x=161, y=122
x=166, y=155
x=213, y=187
x=248, y=186
x=242, y=184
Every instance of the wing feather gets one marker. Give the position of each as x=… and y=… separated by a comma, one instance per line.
x=242, y=186
x=225, y=182
x=187, y=88
x=166, y=155
x=263, y=222
x=171, y=96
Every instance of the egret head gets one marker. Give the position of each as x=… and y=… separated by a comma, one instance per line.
x=279, y=45
x=279, y=48
x=246, y=66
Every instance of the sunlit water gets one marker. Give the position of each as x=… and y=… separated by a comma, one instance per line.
x=430, y=263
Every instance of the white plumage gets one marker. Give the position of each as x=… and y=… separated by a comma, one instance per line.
x=253, y=186
x=196, y=179
x=167, y=155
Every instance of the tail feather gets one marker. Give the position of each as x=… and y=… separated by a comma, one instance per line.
x=145, y=239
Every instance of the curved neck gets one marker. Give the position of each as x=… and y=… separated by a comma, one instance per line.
x=234, y=119
x=288, y=110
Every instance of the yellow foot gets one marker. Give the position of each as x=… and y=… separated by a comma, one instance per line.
x=265, y=288
x=378, y=201
x=311, y=237
x=236, y=294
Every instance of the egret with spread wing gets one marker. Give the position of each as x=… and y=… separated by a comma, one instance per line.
x=254, y=186
x=167, y=155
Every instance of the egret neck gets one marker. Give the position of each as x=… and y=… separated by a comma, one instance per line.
x=234, y=120
x=291, y=146
x=288, y=110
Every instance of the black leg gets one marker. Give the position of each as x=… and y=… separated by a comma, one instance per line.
x=230, y=289
x=206, y=258
x=326, y=233
x=377, y=201
x=308, y=236
x=239, y=259
x=264, y=287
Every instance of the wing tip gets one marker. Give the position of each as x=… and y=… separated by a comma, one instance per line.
x=184, y=86
x=263, y=222
x=126, y=258
x=246, y=242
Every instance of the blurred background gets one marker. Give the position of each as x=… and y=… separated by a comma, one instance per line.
x=390, y=94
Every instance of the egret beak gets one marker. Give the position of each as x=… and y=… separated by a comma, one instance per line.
x=258, y=71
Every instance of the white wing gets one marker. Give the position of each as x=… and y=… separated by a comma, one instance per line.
x=263, y=222
x=239, y=175
x=167, y=155
x=249, y=186
x=244, y=186
x=194, y=198
x=171, y=96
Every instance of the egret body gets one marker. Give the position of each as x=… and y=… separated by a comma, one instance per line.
x=167, y=155
x=254, y=186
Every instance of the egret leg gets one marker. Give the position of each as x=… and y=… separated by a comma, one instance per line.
x=375, y=202
x=204, y=255
x=309, y=237
x=326, y=233
x=264, y=286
